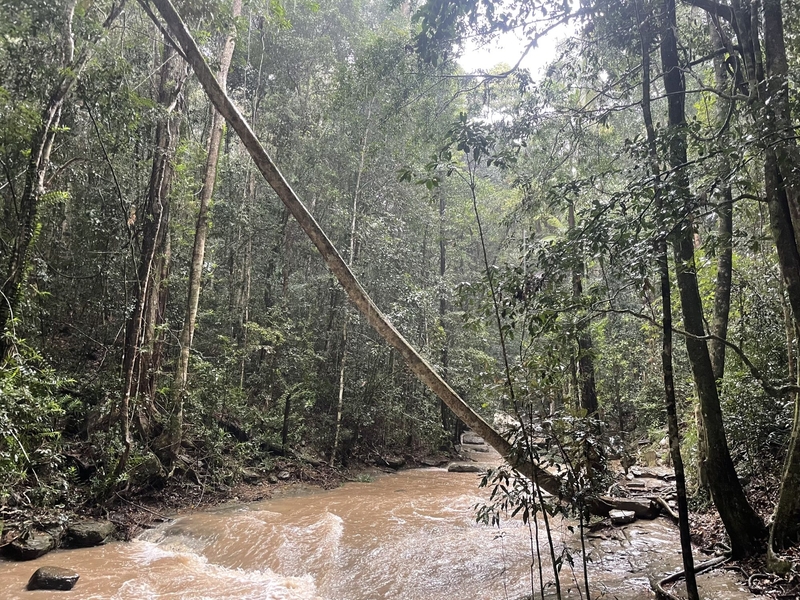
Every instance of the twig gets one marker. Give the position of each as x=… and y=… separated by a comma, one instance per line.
x=158, y=514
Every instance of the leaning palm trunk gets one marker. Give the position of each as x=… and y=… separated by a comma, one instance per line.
x=377, y=320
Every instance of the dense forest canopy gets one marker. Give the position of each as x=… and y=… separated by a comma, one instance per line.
x=571, y=249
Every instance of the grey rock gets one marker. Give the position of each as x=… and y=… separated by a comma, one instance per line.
x=53, y=578
x=250, y=476
x=34, y=545
x=149, y=467
x=284, y=475
x=471, y=438
x=395, y=462
x=56, y=527
x=90, y=533
x=465, y=468
x=271, y=478
x=621, y=517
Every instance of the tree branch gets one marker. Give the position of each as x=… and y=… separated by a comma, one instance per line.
x=769, y=388
x=715, y=8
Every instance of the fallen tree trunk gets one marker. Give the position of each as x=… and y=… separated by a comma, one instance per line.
x=355, y=292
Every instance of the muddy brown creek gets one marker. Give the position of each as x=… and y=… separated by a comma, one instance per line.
x=409, y=536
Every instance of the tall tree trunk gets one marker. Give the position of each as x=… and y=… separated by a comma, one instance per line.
x=662, y=260
x=350, y=260
x=768, y=83
x=785, y=524
x=722, y=287
x=418, y=365
x=724, y=209
x=38, y=162
x=175, y=427
x=140, y=329
x=745, y=528
x=449, y=423
x=585, y=362
x=783, y=191
x=672, y=423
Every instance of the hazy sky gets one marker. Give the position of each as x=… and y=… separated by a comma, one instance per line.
x=507, y=49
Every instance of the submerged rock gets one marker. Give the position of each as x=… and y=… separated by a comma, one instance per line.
x=53, y=578
x=34, y=545
x=90, y=533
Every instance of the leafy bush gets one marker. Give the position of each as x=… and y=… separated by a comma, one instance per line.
x=31, y=410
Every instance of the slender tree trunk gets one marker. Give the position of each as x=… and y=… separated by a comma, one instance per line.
x=351, y=259
x=745, y=528
x=447, y=418
x=424, y=372
x=287, y=412
x=585, y=362
x=722, y=287
x=768, y=83
x=783, y=192
x=666, y=311
x=41, y=146
x=785, y=526
x=175, y=427
x=672, y=424
x=140, y=327
x=724, y=209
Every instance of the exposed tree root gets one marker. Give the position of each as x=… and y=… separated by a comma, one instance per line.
x=667, y=508
x=663, y=594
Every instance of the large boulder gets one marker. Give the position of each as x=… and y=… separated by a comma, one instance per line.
x=33, y=545
x=53, y=578
x=145, y=470
x=90, y=533
x=471, y=438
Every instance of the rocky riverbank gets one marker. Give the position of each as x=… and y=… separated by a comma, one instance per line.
x=28, y=532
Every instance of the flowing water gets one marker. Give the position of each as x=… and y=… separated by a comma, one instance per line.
x=410, y=536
